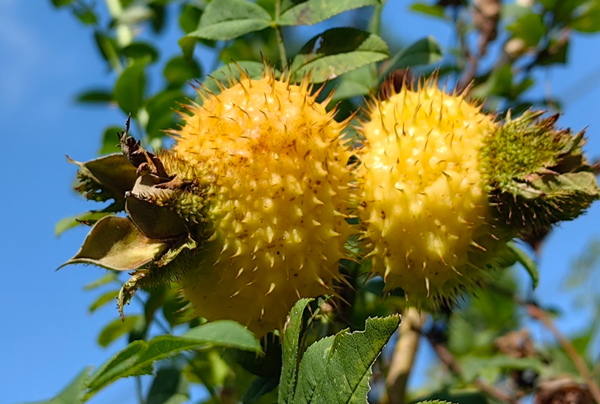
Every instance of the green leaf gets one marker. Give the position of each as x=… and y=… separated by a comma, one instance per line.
x=116, y=243
x=231, y=72
x=61, y=3
x=358, y=82
x=310, y=12
x=138, y=357
x=224, y=333
x=168, y=387
x=474, y=367
x=103, y=299
x=292, y=337
x=338, y=51
x=189, y=19
x=530, y=28
x=108, y=49
x=117, y=328
x=109, y=277
x=187, y=45
x=161, y=110
x=129, y=88
x=110, y=143
x=589, y=20
x=524, y=259
x=95, y=96
x=228, y=19
x=141, y=50
x=73, y=393
x=179, y=70
x=427, y=9
x=74, y=221
x=259, y=387
x=337, y=369
x=423, y=52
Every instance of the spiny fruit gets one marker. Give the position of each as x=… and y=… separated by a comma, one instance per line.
x=444, y=187
x=282, y=193
x=423, y=200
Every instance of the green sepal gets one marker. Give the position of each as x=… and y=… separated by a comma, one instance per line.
x=536, y=175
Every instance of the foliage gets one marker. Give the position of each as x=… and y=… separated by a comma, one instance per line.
x=321, y=356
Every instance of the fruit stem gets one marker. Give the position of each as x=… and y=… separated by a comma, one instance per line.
x=404, y=356
x=278, y=32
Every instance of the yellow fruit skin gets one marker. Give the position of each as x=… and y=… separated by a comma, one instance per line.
x=424, y=207
x=282, y=194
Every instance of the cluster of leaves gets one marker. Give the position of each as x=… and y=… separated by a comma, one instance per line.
x=514, y=40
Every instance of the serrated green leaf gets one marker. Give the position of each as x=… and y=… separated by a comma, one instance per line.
x=259, y=387
x=527, y=263
x=116, y=243
x=168, y=387
x=338, y=51
x=117, y=328
x=310, y=12
x=103, y=299
x=225, y=333
x=73, y=393
x=228, y=19
x=130, y=87
x=291, y=354
x=231, y=72
x=337, y=369
x=139, y=356
x=99, y=96
x=141, y=50
x=423, y=52
x=74, y=221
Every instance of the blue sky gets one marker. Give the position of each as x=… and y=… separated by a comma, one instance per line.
x=46, y=58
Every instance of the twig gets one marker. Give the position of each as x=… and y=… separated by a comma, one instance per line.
x=542, y=316
x=404, y=356
x=450, y=361
x=281, y=45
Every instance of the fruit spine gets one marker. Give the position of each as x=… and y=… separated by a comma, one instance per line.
x=282, y=196
x=444, y=187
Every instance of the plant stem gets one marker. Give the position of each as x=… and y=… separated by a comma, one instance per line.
x=451, y=363
x=138, y=389
x=282, y=53
x=404, y=356
x=542, y=316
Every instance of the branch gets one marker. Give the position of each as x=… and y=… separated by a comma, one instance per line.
x=543, y=317
x=452, y=364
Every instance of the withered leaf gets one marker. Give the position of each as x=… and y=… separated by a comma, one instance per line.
x=156, y=222
x=112, y=174
x=116, y=243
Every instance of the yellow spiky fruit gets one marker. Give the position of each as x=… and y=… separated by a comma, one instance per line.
x=424, y=205
x=282, y=193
